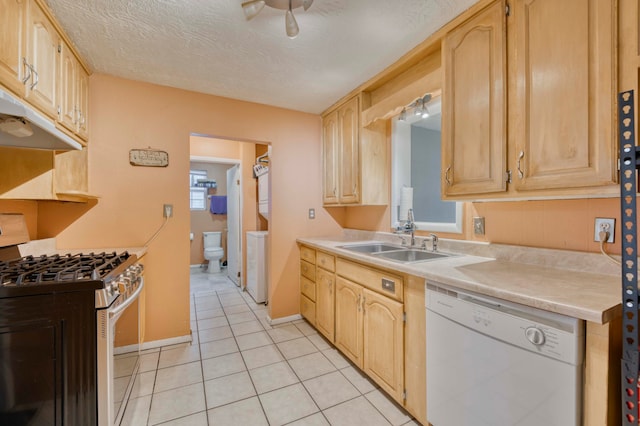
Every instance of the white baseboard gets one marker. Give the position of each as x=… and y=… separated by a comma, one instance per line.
x=283, y=319
x=153, y=344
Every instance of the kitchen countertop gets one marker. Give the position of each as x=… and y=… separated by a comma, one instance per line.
x=585, y=295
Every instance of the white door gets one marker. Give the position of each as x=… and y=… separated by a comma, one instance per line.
x=234, y=241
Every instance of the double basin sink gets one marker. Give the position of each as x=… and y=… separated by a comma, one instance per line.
x=394, y=253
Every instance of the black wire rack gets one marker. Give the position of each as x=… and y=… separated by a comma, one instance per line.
x=629, y=164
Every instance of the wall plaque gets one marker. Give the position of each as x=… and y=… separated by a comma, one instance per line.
x=148, y=157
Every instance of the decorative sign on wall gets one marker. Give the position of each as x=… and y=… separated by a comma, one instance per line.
x=148, y=157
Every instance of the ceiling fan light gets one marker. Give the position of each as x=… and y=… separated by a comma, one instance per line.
x=252, y=8
x=307, y=4
x=291, y=25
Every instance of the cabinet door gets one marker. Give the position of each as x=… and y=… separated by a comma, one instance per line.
x=325, y=303
x=68, y=89
x=474, y=138
x=12, y=26
x=83, y=103
x=42, y=53
x=349, y=320
x=349, y=170
x=383, y=354
x=564, y=56
x=330, y=158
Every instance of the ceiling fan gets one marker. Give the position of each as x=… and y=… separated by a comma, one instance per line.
x=253, y=7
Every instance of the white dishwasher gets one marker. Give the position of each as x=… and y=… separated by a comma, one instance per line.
x=495, y=363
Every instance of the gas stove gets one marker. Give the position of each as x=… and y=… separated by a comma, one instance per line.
x=113, y=275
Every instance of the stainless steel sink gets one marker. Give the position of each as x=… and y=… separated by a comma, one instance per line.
x=371, y=248
x=394, y=253
x=410, y=255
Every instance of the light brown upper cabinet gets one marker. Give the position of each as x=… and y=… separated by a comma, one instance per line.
x=547, y=78
x=73, y=95
x=561, y=124
x=340, y=151
x=354, y=159
x=474, y=139
x=12, y=46
x=38, y=64
x=330, y=158
x=41, y=74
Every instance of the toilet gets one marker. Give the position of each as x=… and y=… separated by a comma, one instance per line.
x=213, y=252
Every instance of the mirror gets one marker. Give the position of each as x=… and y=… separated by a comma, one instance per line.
x=415, y=157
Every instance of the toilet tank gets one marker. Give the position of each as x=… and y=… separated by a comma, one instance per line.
x=212, y=239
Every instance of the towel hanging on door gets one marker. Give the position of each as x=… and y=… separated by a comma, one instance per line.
x=218, y=204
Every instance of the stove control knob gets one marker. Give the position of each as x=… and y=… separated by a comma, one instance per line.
x=535, y=336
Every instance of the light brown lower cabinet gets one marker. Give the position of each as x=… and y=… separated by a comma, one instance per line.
x=370, y=332
x=346, y=302
x=325, y=316
x=349, y=320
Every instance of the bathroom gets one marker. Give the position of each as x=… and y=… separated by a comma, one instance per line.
x=231, y=210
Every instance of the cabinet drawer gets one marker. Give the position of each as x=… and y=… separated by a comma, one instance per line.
x=308, y=270
x=308, y=288
x=326, y=261
x=308, y=309
x=379, y=281
x=308, y=254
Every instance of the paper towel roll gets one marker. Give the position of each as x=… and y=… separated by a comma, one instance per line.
x=406, y=202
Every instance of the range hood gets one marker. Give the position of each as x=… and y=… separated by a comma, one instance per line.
x=23, y=127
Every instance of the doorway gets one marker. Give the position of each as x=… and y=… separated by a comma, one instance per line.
x=238, y=183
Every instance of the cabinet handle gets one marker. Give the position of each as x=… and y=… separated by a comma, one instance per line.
x=37, y=78
x=28, y=69
x=520, y=172
x=364, y=299
x=446, y=176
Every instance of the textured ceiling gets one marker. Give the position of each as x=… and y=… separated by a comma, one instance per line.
x=207, y=45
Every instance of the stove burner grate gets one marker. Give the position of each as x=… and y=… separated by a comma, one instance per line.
x=59, y=268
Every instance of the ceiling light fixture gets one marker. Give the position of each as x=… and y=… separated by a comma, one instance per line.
x=252, y=8
x=419, y=106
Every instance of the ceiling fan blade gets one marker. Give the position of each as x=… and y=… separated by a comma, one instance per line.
x=252, y=8
x=307, y=4
x=291, y=24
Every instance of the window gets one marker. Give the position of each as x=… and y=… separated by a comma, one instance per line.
x=197, y=195
x=416, y=163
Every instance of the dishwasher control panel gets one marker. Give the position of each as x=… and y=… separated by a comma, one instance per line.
x=546, y=333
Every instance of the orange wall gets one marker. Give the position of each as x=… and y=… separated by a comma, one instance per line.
x=556, y=224
x=127, y=114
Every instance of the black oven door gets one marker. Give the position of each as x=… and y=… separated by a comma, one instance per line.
x=48, y=359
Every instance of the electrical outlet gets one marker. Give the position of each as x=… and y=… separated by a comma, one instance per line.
x=312, y=213
x=167, y=210
x=604, y=224
x=478, y=225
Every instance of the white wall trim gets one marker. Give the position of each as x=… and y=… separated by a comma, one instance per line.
x=221, y=160
x=283, y=319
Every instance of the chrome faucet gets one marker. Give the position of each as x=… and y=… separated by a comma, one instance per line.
x=409, y=227
x=434, y=242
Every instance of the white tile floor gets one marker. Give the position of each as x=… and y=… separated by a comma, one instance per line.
x=239, y=370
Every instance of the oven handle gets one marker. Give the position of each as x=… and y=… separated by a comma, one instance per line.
x=117, y=311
